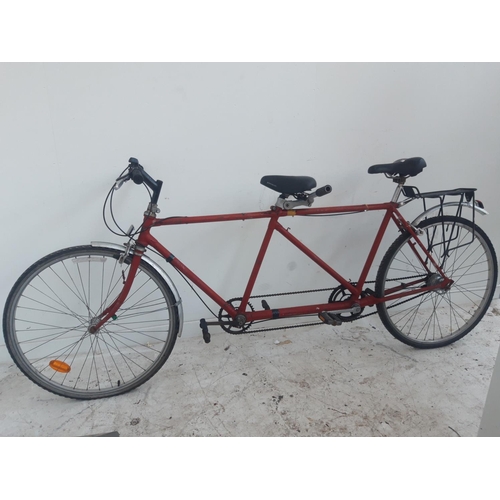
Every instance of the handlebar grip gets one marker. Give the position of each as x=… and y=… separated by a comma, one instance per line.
x=136, y=175
x=140, y=176
x=323, y=190
x=136, y=171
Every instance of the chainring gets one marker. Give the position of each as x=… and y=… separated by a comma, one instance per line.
x=340, y=294
x=224, y=316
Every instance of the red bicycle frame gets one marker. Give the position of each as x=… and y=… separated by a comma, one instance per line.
x=391, y=213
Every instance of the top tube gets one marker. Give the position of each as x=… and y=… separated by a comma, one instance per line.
x=277, y=212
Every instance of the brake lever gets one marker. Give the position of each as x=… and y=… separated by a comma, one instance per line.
x=120, y=181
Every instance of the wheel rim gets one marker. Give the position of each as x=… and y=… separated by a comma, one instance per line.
x=442, y=316
x=52, y=312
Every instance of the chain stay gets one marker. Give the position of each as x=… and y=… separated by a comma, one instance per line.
x=261, y=330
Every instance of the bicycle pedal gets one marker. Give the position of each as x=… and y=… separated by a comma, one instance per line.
x=204, y=330
x=329, y=319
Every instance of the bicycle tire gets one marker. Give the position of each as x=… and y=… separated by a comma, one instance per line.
x=48, y=312
x=438, y=318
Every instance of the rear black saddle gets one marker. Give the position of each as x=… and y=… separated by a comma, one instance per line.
x=406, y=167
x=288, y=184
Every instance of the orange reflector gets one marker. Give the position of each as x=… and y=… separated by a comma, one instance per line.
x=60, y=366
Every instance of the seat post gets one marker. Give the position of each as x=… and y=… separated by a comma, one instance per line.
x=400, y=180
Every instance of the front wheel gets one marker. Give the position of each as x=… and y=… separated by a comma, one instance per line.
x=439, y=317
x=50, y=309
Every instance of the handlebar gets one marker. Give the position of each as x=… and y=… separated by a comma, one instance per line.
x=323, y=190
x=138, y=175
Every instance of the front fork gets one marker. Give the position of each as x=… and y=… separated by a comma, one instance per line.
x=108, y=313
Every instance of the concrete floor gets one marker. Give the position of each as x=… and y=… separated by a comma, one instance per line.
x=352, y=380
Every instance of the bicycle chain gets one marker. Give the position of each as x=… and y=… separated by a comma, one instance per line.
x=261, y=330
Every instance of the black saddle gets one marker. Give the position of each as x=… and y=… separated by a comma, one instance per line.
x=404, y=167
x=288, y=184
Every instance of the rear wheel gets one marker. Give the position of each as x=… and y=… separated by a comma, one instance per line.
x=50, y=308
x=438, y=318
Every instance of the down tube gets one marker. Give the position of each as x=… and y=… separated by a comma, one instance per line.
x=175, y=262
x=321, y=263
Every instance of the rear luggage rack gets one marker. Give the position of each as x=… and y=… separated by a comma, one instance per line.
x=467, y=199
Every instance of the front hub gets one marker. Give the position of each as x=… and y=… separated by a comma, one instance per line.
x=93, y=325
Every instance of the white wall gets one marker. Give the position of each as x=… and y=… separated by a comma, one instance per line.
x=210, y=131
